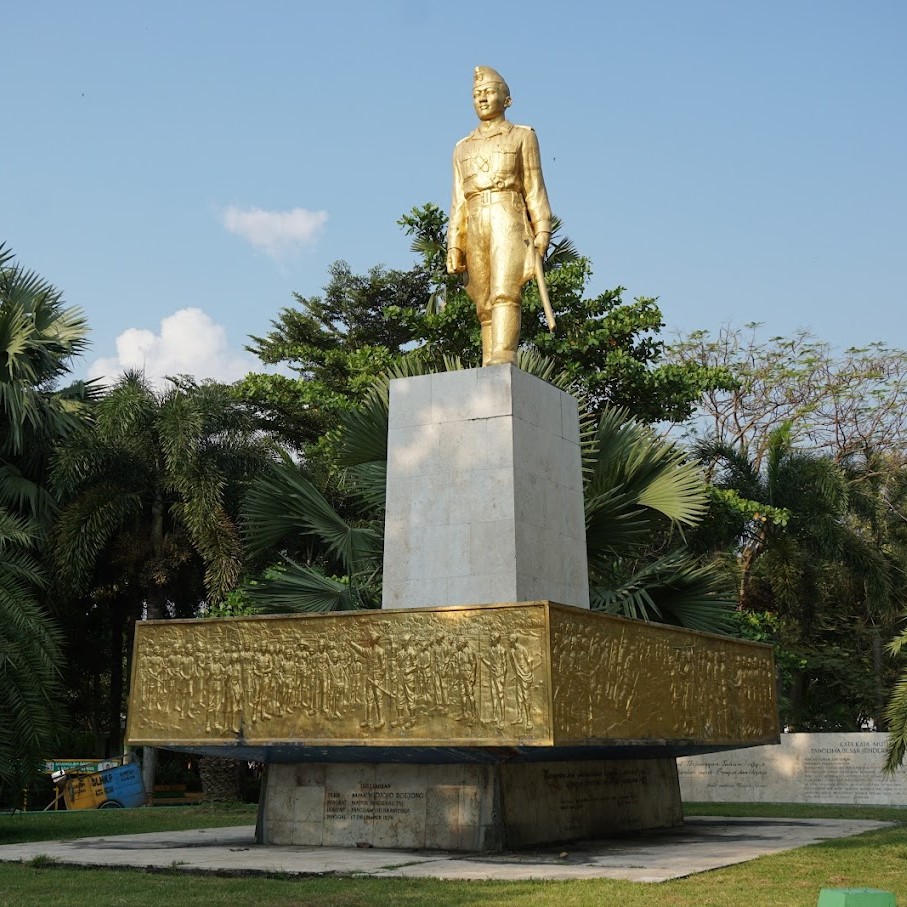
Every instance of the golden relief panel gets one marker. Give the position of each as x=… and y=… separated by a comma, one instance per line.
x=616, y=679
x=527, y=674
x=467, y=676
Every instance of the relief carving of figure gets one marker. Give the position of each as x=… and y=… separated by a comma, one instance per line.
x=176, y=692
x=440, y=656
x=465, y=666
x=217, y=695
x=322, y=676
x=258, y=690
x=406, y=664
x=235, y=688
x=523, y=665
x=307, y=680
x=496, y=664
x=375, y=664
x=356, y=680
x=337, y=688
x=153, y=682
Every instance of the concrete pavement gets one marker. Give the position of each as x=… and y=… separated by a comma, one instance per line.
x=703, y=843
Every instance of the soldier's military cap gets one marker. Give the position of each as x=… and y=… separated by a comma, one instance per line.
x=487, y=74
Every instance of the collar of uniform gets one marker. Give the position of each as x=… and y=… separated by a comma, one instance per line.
x=503, y=127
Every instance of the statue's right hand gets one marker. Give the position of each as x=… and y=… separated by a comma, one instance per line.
x=456, y=261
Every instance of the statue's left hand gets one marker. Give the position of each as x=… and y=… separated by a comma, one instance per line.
x=541, y=243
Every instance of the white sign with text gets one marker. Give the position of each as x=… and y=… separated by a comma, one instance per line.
x=804, y=768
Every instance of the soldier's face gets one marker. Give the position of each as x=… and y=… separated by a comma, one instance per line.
x=489, y=100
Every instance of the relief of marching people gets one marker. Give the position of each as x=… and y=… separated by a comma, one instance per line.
x=615, y=681
x=285, y=681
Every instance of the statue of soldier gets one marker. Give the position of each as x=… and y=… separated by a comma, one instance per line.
x=500, y=219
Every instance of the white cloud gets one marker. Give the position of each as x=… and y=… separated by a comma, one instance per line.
x=190, y=342
x=275, y=232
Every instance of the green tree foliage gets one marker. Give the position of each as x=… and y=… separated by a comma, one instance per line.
x=153, y=484
x=339, y=343
x=640, y=492
x=807, y=452
x=336, y=345
x=804, y=553
x=896, y=711
x=29, y=653
x=885, y=513
x=148, y=526
x=38, y=337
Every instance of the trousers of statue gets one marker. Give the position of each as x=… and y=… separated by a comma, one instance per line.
x=499, y=261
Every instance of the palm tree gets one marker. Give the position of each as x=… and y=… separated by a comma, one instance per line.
x=896, y=711
x=793, y=525
x=151, y=490
x=639, y=491
x=29, y=653
x=38, y=337
x=881, y=501
x=163, y=470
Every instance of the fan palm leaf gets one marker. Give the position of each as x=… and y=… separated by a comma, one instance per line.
x=638, y=483
x=29, y=652
x=284, y=503
x=38, y=337
x=674, y=588
x=301, y=588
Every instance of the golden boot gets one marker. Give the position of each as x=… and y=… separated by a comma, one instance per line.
x=486, y=341
x=505, y=333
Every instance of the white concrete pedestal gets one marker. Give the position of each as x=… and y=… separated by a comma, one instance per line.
x=484, y=492
x=466, y=807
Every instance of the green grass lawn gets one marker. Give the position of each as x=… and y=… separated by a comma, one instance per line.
x=92, y=823
x=876, y=859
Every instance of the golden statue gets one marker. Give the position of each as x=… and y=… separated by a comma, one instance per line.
x=500, y=219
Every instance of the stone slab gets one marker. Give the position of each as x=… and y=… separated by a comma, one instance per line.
x=449, y=807
x=569, y=801
x=484, y=491
x=701, y=844
x=805, y=768
x=466, y=807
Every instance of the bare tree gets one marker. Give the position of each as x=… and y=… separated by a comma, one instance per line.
x=840, y=404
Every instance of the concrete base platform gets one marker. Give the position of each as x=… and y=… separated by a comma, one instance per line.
x=701, y=844
x=466, y=807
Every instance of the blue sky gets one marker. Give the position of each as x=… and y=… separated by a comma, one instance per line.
x=179, y=169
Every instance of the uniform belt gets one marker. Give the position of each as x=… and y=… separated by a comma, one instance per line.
x=489, y=196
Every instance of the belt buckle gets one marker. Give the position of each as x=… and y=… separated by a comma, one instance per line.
x=486, y=196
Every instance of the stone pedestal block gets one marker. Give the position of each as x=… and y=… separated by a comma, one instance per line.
x=466, y=807
x=484, y=492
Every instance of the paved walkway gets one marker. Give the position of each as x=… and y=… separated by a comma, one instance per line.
x=703, y=843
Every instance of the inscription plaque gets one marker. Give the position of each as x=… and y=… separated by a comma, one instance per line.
x=466, y=807
x=805, y=768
